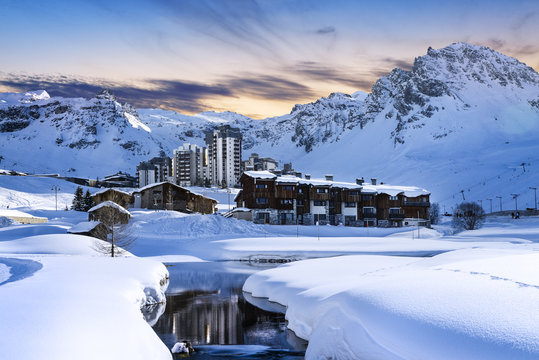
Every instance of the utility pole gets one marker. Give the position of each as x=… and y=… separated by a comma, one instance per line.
x=490, y=205
x=499, y=197
x=228, y=191
x=56, y=188
x=418, y=224
x=481, y=203
x=515, y=196
x=534, y=196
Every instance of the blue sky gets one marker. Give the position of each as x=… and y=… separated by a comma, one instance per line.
x=254, y=57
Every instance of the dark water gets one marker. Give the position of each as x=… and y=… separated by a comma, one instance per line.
x=206, y=306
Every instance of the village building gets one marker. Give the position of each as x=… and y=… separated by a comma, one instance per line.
x=169, y=196
x=294, y=200
x=109, y=212
x=190, y=165
x=119, y=196
x=119, y=179
x=94, y=229
x=224, y=156
x=156, y=170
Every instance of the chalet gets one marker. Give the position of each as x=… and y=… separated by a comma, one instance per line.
x=294, y=200
x=109, y=212
x=89, y=228
x=168, y=196
x=119, y=196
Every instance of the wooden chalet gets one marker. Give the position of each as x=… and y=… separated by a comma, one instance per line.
x=119, y=196
x=109, y=212
x=292, y=200
x=169, y=196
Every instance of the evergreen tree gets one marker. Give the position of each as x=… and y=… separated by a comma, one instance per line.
x=78, y=200
x=88, y=202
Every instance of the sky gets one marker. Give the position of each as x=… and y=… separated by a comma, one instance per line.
x=258, y=58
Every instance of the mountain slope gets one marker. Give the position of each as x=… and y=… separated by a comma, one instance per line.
x=464, y=118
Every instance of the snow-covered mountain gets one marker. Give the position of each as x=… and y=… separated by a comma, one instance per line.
x=464, y=118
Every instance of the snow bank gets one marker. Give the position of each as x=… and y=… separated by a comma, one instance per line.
x=4, y=273
x=88, y=308
x=473, y=303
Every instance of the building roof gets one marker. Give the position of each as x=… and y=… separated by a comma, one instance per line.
x=392, y=190
x=126, y=191
x=149, y=186
x=83, y=227
x=109, y=203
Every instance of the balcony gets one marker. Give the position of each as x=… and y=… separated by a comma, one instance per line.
x=396, y=216
x=417, y=203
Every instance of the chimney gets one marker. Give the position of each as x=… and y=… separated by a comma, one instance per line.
x=329, y=177
x=360, y=181
x=308, y=176
x=373, y=181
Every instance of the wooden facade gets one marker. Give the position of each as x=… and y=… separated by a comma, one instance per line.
x=168, y=196
x=291, y=200
x=120, y=197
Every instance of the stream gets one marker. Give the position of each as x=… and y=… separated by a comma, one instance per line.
x=206, y=306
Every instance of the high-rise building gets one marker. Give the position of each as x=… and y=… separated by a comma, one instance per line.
x=190, y=165
x=156, y=170
x=224, y=153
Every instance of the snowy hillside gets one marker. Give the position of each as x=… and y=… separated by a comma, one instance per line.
x=465, y=118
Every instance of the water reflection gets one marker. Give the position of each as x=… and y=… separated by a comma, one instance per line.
x=205, y=306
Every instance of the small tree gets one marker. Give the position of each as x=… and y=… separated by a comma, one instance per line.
x=114, y=233
x=78, y=200
x=207, y=182
x=223, y=184
x=468, y=216
x=88, y=201
x=434, y=213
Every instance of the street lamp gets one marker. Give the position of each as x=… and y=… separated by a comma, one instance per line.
x=499, y=197
x=534, y=196
x=56, y=188
x=515, y=196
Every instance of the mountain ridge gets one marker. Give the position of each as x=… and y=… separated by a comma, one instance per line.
x=455, y=102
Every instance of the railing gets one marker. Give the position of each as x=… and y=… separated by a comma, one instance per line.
x=417, y=203
x=396, y=216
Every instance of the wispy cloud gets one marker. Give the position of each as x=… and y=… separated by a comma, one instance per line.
x=176, y=95
x=312, y=70
x=326, y=30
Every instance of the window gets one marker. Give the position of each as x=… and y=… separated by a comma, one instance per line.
x=349, y=219
x=350, y=204
x=286, y=201
x=262, y=216
x=369, y=212
x=319, y=217
x=394, y=210
x=262, y=201
x=393, y=198
x=352, y=192
x=300, y=191
x=299, y=202
x=366, y=197
x=288, y=187
x=261, y=186
x=321, y=191
x=319, y=203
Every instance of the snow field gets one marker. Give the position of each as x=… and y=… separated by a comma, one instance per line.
x=473, y=303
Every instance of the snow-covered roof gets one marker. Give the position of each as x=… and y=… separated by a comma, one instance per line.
x=109, y=203
x=260, y=174
x=123, y=191
x=392, y=190
x=83, y=227
x=149, y=186
x=14, y=213
x=240, y=209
